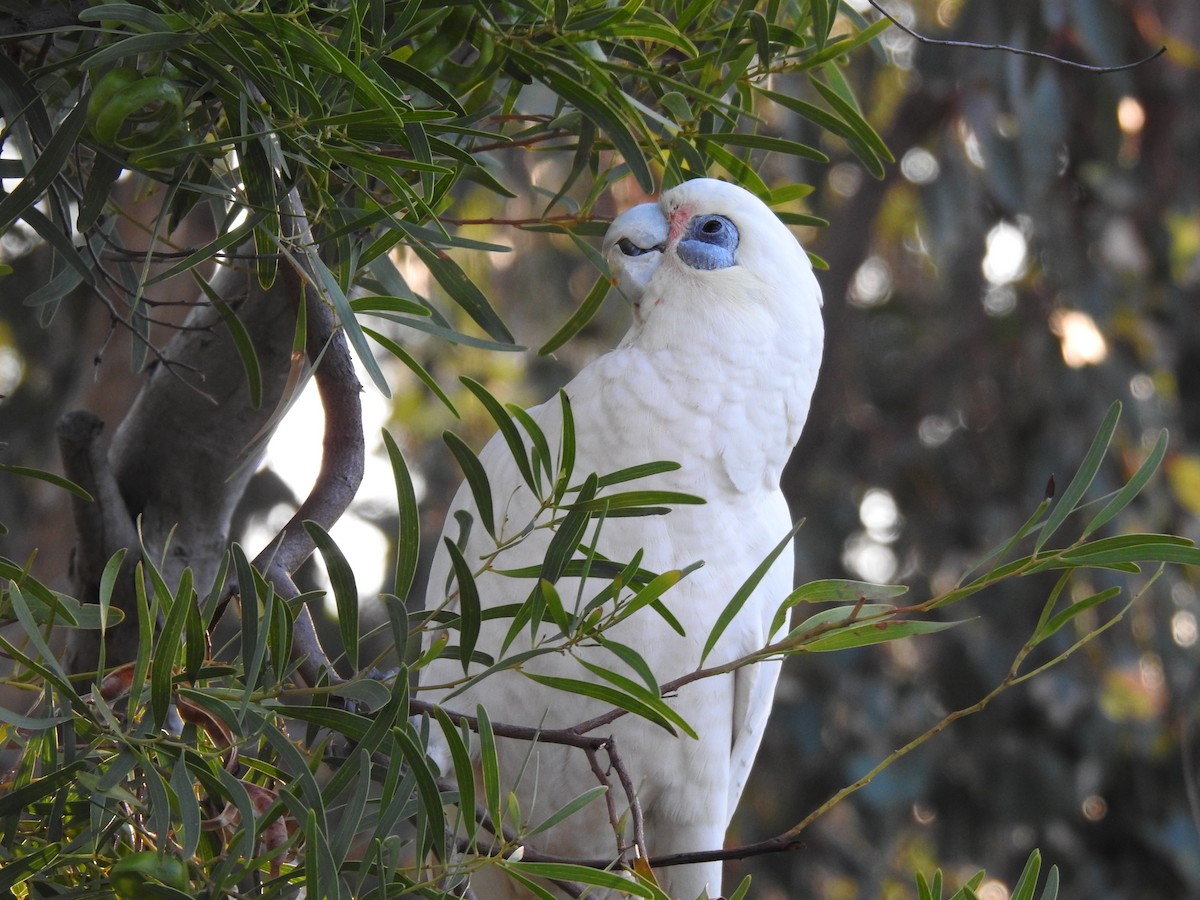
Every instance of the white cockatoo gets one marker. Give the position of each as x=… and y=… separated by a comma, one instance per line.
x=716, y=373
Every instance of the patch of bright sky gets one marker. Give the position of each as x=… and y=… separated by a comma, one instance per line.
x=294, y=454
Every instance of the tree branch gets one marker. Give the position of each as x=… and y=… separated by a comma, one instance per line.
x=946, y=42
x=103, y=527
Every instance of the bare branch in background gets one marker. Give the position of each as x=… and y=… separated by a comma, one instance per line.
x=972, y=45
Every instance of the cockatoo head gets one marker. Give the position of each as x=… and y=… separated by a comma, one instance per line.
x=712, y=258
x=633, y=248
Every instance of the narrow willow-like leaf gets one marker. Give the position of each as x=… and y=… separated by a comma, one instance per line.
x=579, y=319
x=464, y=772
x=999, y=553
x=507, y=427
x=1133, y=548
x=633, y=473
x=1050, y=892
x=241, y=341
x=631, y=688
x=320, y=868
x=167, y=649
x=464, y=292
x=1132, y=488
x=1027, y=882
x=568, y=534
x=470, y=615
x=606, y=116
x=735, y=604
x=14, y=801
x=842, y=615
x=1083, y=478
x=431, y=799
x=541, y=458
x=657, y=712
x=489, y=766
x=582, y=875
x=631, y=500
x=764, y=142
x=336, y=297
x=33, y=634
x=567, y=810
x=46, y=167
x=182, y=787
x=875, y=633
x=108, y=580
x=408, y=535
x=1055, y=623
x=651, y=591
x=837, y=590
x=476, y=478
x=413, y=366
x=553, y=602
x=345, y=589
x=49, y=477
x=342, y=841
x=633, y=659
x=566, y=450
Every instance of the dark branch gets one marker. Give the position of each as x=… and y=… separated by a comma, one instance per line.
x=102, y=528
x=945, y=42
x=40, y=19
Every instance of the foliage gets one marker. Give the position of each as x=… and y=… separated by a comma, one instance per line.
x=319, y=139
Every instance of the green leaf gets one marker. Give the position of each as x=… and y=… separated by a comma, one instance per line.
x=408, y=536
x=476, y=477
x=652, y=711
x=415, y=367
x=635, y=500
x=241, y=340
x=507, y=427
x=582, y=875
x=606, y=116
x=336, y=297
x=468, y=603
x=1132, y=488
x=875, y=633
x=45, y=169
x=568, y=534
x=49, y=477
x=345, y=589
x=1130, y=548
x=489, y=765
x=735, y=604
x=567, y=810
x=1083, y=478
x=1027, y=883
x=463, y=292
x=834, y=590
x=464, y=770
x=14, y=801
x=764, y=142
x=585, y=313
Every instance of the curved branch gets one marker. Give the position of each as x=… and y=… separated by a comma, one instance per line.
x=343, y=452
x=103, y=527
x=1019, y=51
x=568, y=737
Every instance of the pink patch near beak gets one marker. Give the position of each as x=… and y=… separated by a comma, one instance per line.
x=676, y=222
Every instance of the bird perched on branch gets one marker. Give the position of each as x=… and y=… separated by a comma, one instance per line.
x=716, y=374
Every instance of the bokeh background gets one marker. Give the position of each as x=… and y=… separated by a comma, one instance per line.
x=1033, y=256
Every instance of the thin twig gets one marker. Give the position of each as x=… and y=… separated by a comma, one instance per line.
x=1020, y=51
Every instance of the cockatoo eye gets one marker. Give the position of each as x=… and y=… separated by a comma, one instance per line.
x=629, y=248
x=710, y=242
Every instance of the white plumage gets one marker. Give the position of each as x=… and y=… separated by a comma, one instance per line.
x=716, y=373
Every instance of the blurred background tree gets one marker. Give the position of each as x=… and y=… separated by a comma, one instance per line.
x=1032, y=255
